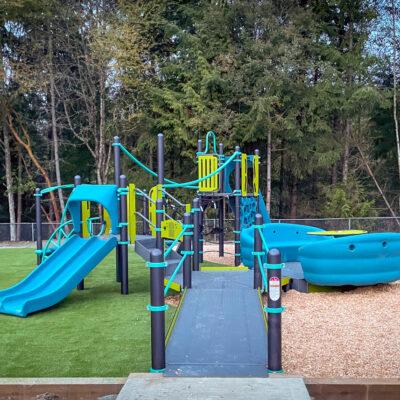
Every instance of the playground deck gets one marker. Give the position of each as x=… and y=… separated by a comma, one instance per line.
x=220, y=330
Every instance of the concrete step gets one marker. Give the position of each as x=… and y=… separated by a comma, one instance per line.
x=155, y=386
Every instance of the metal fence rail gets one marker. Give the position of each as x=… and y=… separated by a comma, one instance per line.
x=371, y=224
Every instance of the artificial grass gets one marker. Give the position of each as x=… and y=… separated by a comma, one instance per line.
x=95, y=332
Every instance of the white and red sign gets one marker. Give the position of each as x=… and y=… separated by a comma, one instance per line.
x=274, y=288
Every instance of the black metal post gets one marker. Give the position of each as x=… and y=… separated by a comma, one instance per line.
x=187, y=246
x=117, y=173
x=146, y=214
x=274, y=310
x=201, y=230
x=160, y=181
x=257, y=250
x=38, y=210
x=77, y=181
x=196, y=234
x=124, y=235
x=237, y=194
x=257, y=153
x=221, y=204
x=157, y=308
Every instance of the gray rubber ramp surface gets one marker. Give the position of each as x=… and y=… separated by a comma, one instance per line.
x=220, y=331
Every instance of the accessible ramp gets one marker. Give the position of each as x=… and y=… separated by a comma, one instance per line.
x=52, y=280
x=220, y=330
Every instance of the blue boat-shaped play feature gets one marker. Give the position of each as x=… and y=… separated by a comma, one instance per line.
x=359, y=260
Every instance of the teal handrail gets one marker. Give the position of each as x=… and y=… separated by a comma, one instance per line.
x=144, y=167
x=171, y=279
x=53, y=188
x=176, y=240
x=212, y=134
x=219, y=169
x=264, y=277
x=51, y=238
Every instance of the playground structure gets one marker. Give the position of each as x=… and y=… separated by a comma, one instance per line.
x=172, y=243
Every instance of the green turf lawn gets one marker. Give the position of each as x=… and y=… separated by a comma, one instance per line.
x=96, y=332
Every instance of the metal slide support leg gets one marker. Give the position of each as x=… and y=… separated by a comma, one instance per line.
x=146, y=214
x=157, y=309
x=77, y=181
x=274, y=310
x=196, y=243
x=187, y=246
x=117, y=173
x=237, y=207
x=38, y=211
x=124, y=234
x=257, y=250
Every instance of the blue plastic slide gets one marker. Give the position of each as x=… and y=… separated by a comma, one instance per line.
x=55, y=277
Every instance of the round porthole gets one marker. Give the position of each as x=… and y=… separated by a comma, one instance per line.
x=384, y=244
x=352, y=247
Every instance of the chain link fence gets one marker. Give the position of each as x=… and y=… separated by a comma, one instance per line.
x=27, y=230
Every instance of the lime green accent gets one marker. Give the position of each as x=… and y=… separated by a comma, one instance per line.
x=207, y=165
x=262, y=310
x=171, y=229
x=347, y=232
x=227, y=268
x=132, y=212
x=256, y=175
x=285, y=281
x=322, y=289
x=175, y=317
x=187, y=208
x=244, y=174
x=85, y=216
x=155, y=194
x=176, y=287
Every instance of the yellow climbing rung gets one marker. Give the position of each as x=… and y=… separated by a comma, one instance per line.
x=85, y=217
x=244, y=174
x=207, y=165
x=256, y=180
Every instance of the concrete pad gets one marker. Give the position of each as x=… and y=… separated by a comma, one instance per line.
x=153, y=386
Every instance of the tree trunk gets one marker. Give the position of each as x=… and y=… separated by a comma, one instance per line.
x=54, y=124
x=19, y=195
x=346, y=153
x=394, y=72
x=269, y=177
x=9, y=180
x=102, y=148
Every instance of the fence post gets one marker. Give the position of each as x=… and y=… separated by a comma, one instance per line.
x=274, y=309
x=117, y=173
x=196, y=234
x=237, y=194
x=187, y=246
x=38, y=219
x=123, y=234
x=77, y=181
x=145, y=213
x=257, y=250
x=157, y=309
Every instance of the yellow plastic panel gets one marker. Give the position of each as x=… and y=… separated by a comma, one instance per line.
x=132, y=213
x=256, y=176
x=244, y=174
x=85, y=217
x=188, y=207
x=155, y=193
x=207, y=165
x=170, y=229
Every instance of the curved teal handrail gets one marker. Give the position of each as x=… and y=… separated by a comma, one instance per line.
x=56, y=231
x=212, y=134
x=53, y=188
